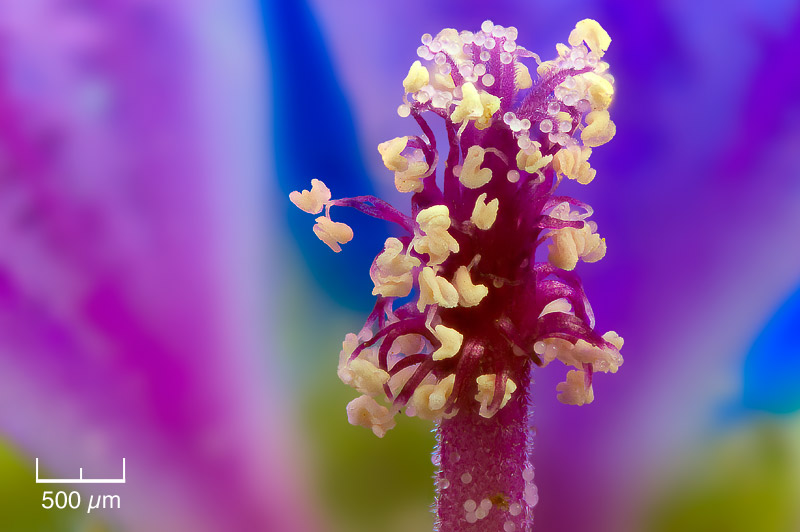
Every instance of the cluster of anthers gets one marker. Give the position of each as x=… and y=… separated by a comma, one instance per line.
x=463, y=305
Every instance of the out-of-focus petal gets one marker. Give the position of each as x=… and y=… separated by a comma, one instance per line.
x=128, y=256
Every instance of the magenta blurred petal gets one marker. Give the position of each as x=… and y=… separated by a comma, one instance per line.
x=126, y=314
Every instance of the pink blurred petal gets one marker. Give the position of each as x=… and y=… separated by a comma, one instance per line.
x=131, y=322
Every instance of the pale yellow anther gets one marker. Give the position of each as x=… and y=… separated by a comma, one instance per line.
x=573, y=391
x=470, y=105
x=391, y=272
x=563, y=116
x=417, y=77
x=443, y=82
x=491, y=104
x=475, y=105
x=441, y=393
x=550, y=349
x=599, y=90
x=429, y=400
x=534, y=161
x=563, y=211
x=486, y=393
x=367, y=377
x=484, y=214
x=593, y=34
x=435, y=241
x=582, y=352
x=559, y=349
x=570, y=244
x=599, y=129
x=311, y=201
x=333, y=233
x=545, y=68
x=522, y=77
x=561, y=305
x=390, y=153
x=451, y=342
x=435, y=290
x=572, y=161
x=410, y=180
x=472, y=175
x=348, y=346
x=364, y=411
x=469, y=294
x=602, y=359
x=437, y=216
x=614, y=339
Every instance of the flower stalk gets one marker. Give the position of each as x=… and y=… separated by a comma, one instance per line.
x=485, y=477
x=465, y=305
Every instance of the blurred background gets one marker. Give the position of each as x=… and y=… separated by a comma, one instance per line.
x=162, y=301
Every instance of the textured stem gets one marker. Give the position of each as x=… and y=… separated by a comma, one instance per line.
x=485, y=477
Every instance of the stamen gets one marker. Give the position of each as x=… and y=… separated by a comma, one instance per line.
x=450, y=340
x=311, y=201
x=483, y=214
x=366, y=412
x=333, y=233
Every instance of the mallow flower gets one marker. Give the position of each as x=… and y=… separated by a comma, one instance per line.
x=481, y=287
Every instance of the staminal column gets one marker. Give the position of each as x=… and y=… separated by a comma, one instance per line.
x=485, y=477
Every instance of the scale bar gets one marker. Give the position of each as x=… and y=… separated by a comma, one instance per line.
x=80, y=480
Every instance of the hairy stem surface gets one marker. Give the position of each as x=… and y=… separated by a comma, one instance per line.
x=485, y=477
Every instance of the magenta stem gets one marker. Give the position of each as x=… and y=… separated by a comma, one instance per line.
x=485, y=477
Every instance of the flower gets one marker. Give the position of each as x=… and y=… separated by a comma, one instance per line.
x=482, y=307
